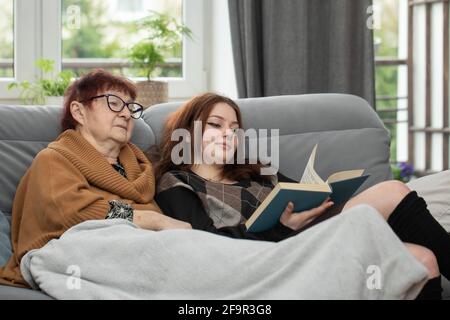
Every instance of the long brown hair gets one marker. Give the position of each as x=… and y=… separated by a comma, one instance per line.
x=199, y=108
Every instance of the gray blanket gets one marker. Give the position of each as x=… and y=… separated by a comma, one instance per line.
x=352, y=256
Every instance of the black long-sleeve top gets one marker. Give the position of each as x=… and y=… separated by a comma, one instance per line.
x=185, y=204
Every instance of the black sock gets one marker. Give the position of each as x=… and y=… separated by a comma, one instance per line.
x=432, y=290
x=412, y=222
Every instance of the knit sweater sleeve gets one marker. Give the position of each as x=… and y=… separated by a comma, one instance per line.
x=64, y=191
x=183, y=204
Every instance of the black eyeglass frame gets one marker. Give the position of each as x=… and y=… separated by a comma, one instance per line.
x=107, y=95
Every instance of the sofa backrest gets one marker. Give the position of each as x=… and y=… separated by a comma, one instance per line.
x=349, y=133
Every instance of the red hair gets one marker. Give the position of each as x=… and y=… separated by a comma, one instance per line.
x=89, y=86
x=199, y=108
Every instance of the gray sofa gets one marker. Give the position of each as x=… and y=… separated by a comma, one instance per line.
x=349, y=134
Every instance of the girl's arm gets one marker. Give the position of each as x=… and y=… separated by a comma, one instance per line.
x=183, y=204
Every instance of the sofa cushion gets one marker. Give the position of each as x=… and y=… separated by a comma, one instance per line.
x=5, y=243
x=342, y=125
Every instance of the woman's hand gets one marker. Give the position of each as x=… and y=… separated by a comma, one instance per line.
x=297, y=220
x=152, y=220
x=171, y=223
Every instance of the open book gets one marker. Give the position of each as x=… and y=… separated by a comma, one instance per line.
x=309, y=193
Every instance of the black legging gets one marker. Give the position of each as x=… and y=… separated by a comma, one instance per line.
x=412, y=222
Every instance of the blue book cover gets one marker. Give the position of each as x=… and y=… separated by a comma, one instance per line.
x=310, y=193
x=344, y=190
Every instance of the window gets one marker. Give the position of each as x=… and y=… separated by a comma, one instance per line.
x=6, y=39
x=98, y=32
x=412, y=60
x=84, y=34
x=429, y=56
x=130, y=5
x=390, y=45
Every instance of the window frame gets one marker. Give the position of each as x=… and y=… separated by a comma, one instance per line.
x=401, y=97
x=37, y=23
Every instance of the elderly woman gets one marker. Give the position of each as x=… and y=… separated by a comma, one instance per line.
x=91, y=171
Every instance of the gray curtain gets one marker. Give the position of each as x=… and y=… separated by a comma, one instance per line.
x=302, y=46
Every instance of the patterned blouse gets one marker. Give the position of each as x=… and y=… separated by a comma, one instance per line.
x=118, y=209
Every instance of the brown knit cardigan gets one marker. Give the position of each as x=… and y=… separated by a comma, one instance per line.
x=70, y=182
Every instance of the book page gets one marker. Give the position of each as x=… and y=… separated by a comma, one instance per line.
x=310, y=175
x=345, y=175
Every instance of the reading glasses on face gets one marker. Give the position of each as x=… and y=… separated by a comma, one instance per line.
x=116, y=104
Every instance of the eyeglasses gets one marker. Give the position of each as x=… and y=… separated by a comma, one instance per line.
x=116, y=104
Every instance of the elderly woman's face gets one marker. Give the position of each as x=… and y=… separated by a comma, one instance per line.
x=105, y=125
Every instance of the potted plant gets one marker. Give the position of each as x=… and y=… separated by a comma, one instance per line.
x=163, y=34
x=46, y=89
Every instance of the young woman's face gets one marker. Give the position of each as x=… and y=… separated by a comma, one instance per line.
x=219, y=135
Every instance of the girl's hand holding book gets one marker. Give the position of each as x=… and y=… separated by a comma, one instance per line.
x=297, y=220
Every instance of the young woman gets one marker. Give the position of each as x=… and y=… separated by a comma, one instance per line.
x=217, y=194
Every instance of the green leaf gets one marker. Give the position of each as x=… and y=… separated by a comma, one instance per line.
x=12, y=85
x=35, y=92
x=164, y=35
x=45, y=65
x=145, y=56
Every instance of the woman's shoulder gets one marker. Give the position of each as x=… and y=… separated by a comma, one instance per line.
x=47, y=155
x=50, y=159
x=45, y=166
x=174, y=178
